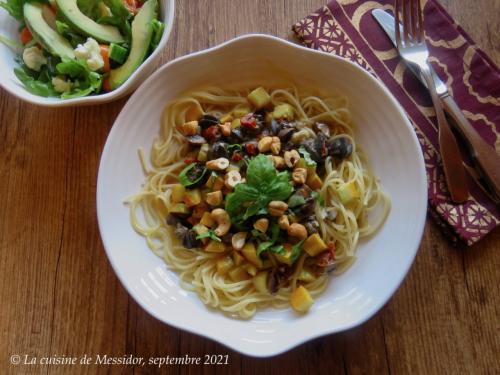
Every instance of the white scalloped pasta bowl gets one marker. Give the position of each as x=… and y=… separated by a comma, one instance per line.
x=8, y=80
x=384, y=133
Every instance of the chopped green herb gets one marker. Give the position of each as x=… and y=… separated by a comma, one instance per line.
x=210, y=234
x=296, y=251
x=296, y=200
x=318, y=197
x=307, y=157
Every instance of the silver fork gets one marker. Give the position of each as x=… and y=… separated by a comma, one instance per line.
x=411, y=46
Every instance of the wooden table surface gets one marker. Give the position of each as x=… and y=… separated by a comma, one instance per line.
x=59, y=295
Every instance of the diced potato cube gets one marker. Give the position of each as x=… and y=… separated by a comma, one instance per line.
x=215, y=247
x=192, y=197
x=214, y=198
x=207, y=220
x=259, y=98
x=240, y=112
x=301, y=163
x=251, y=269
x=285, y=111
x=238, y=274
x=236, y=123
x=260, y=282
x=238, y=259
x=306, y=276
x=250, y=254
x=314, y=181
x=179, y=208
x=314, y=245
x=301, y=300
x=286, y=257
x=177, y=193
x=223, y=265
x=202, y=154
x=348, y=191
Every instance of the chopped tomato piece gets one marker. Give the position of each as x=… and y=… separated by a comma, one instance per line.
x=249, y=121
x=211, y=132
x=236, y=156
x=251, y=149
x=189, y=160
x=25, y=35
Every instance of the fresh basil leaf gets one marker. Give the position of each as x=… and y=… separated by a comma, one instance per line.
x=307, y=157
x=296, y=249
x=243, y=193
x=296, y=200
x=210, y=234
x=260, y=171
x=275, y=231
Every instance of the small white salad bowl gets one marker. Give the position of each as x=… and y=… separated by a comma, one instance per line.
x=9, y=27
x=384, y=133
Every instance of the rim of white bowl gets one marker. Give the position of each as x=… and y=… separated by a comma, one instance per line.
x=420, y=220
x=115, y=94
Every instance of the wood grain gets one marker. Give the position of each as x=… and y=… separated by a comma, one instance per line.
x=60, y=296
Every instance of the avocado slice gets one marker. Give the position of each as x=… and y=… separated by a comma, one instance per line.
x=87, y=26
x=44, y=34
x=142, y=32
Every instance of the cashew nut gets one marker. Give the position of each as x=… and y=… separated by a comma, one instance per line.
x=218, y=164
x=221, y=217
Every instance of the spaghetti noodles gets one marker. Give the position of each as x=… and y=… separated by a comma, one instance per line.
x=337, y=199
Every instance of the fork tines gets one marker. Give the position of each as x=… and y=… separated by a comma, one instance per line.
x=410, y=12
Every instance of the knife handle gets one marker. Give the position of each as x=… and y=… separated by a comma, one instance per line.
x=484, y=155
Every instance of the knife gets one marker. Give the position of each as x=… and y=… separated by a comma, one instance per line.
x=486, y=159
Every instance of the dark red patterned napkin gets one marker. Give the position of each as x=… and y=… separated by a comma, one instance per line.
x=347, y=28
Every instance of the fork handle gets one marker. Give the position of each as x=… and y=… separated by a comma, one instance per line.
x=485, y=156
x=448, y=147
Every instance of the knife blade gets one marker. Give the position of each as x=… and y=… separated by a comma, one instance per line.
x=485, y=158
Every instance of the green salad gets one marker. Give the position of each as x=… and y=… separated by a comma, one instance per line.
x=74, y=48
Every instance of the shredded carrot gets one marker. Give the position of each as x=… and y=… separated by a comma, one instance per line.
x=105, y=56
